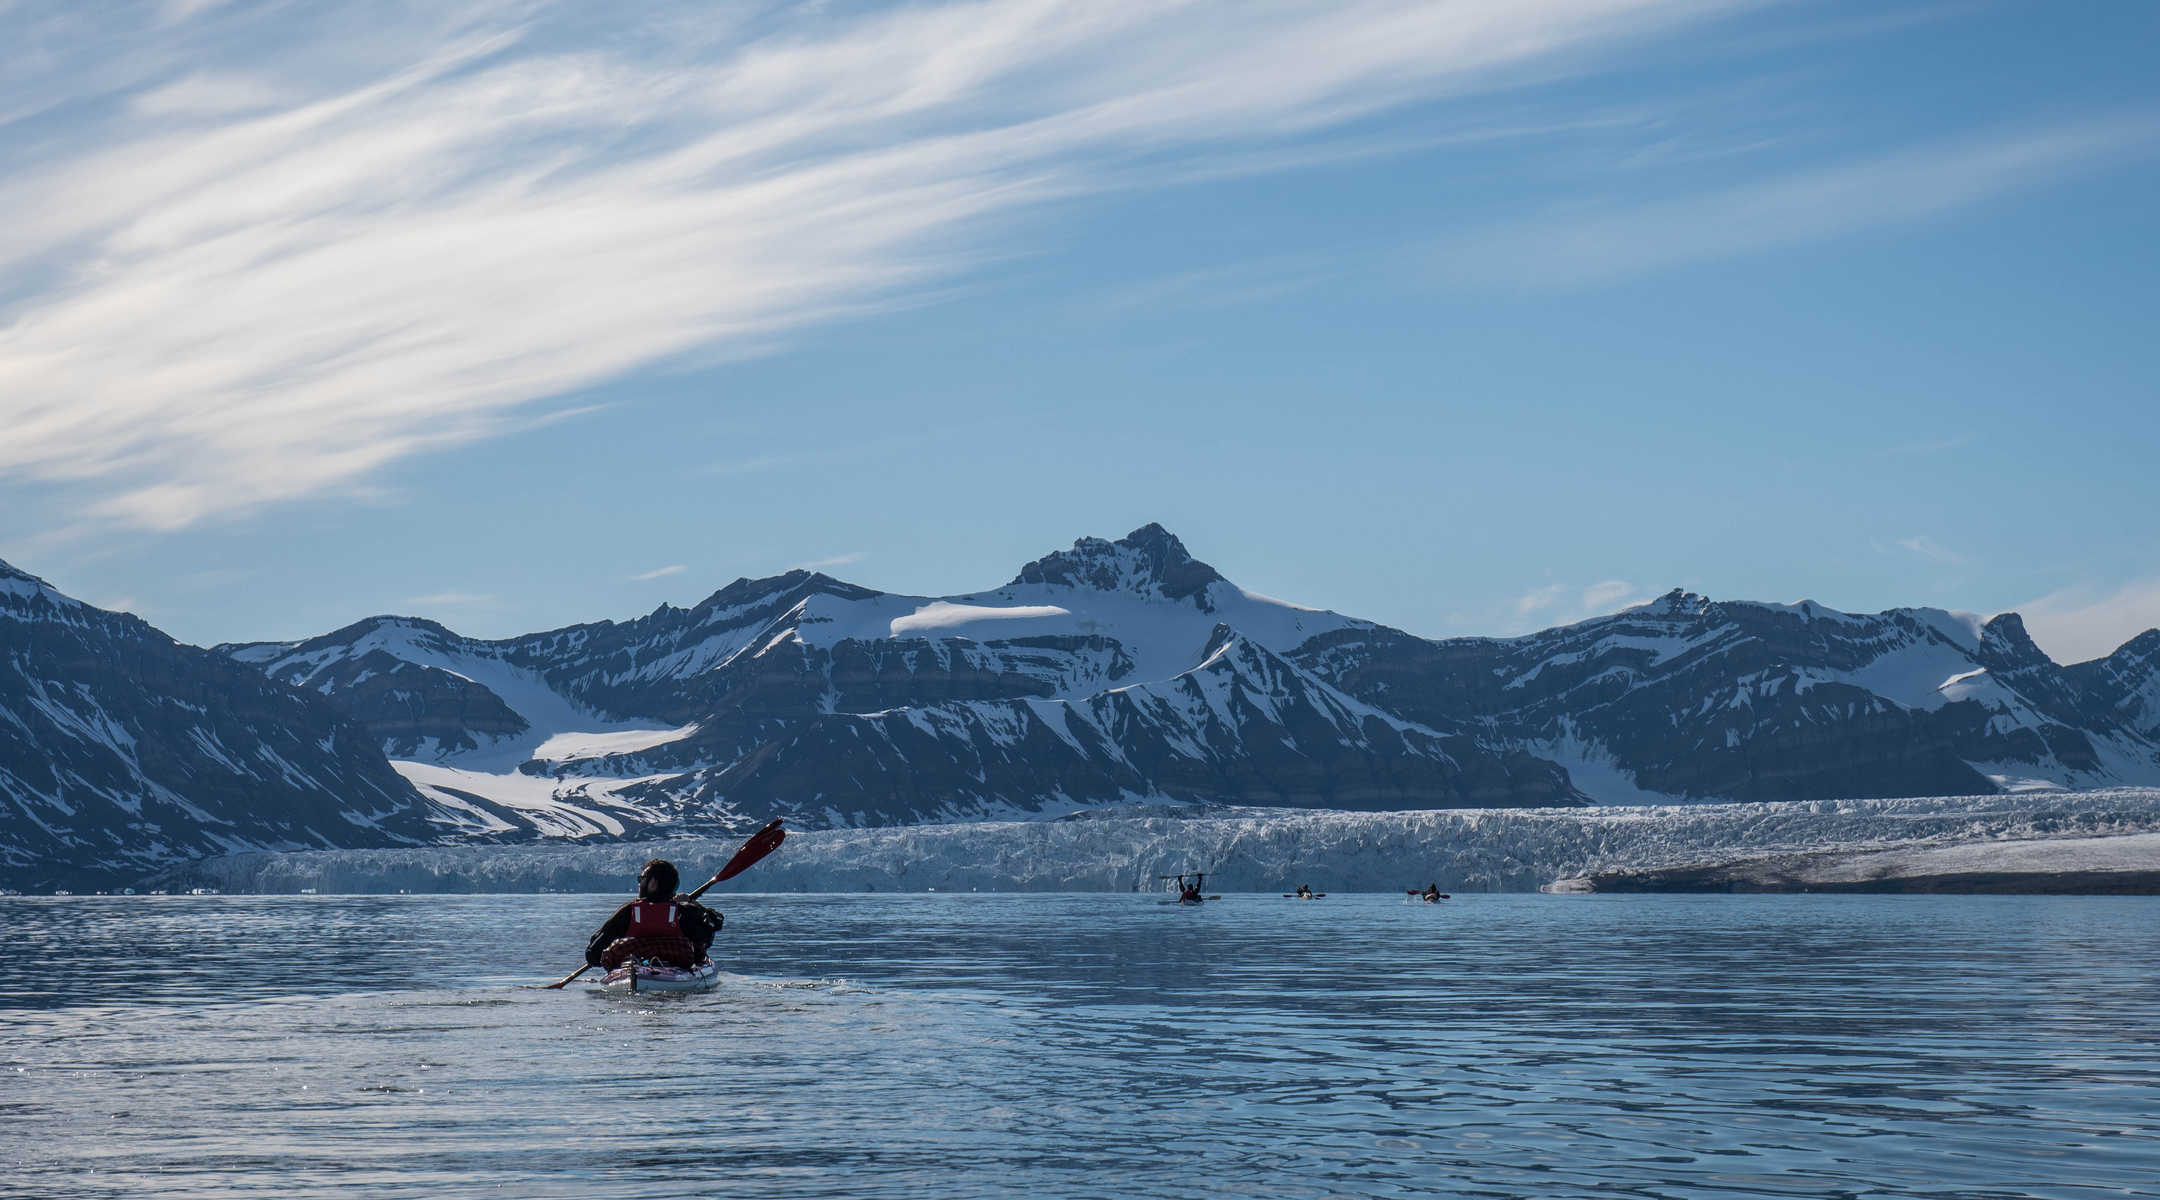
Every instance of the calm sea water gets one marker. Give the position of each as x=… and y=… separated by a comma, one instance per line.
x=1089, y=1046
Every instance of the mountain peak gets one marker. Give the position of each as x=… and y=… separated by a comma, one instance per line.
x=2005, y=646
x=27, y=589
x=392, y=623
x=798, y=580
x=2143, y=647
x=2139, y=657
x=13, y=574
x=1150, y=560
x=1678, y=602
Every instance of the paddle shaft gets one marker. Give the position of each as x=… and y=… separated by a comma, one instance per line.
x=565, y=980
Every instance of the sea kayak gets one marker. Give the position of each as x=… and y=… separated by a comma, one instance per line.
x=654, y=977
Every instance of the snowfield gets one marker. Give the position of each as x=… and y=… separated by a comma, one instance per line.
x=1462, y=850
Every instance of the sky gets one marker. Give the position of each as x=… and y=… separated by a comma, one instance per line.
x=1471, y=317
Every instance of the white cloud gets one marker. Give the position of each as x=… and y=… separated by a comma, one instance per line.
x=1563, y=604
x=269, y=278
x=208, y=96
x=837, y=560
x=1573, y=249
x=1539, y=599
x=1606, y=595
x=2089, y=621
x=659, y=573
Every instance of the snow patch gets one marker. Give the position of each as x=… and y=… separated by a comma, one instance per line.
x=576, y=808
x=947, y=619
x=577, y=744
x=2025, y=783
x=1596, y=773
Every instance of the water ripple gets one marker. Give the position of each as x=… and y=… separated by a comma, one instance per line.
x=1089, y=1046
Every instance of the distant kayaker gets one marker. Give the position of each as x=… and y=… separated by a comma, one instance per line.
x=1304, y=891
x=1188, y=893
x=658, y=925
x=1432, y=893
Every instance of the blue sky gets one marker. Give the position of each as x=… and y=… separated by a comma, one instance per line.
x=1468, y=317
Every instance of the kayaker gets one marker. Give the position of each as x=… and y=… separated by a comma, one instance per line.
x=658, y=925
x=1188, y=893
x=1304, y=891
x=1432, y=893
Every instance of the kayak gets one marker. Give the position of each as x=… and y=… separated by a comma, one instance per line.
x=654, y=977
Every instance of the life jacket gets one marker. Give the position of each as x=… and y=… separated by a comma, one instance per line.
x=653, y=918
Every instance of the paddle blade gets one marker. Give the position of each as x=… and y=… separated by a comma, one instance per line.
x=761, y=843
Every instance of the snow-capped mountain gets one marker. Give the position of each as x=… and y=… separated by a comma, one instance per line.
x=2125, y=686
x=1128, y=671
x=1689, y=698
x=1113, y=675
x=121, y=749
x=1109, y=673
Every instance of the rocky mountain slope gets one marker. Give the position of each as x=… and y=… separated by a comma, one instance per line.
x=121, y=749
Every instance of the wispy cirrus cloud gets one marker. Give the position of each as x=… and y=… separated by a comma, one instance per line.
x=282, y=247
x=1212, y=287
x=1538, y=599
x=1580, y=248
x=659, y=573
x=1603, y=596
x=1565, y=603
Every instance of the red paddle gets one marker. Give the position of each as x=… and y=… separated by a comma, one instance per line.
x=761, y=843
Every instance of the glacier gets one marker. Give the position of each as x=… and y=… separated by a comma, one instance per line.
x=1270, y=850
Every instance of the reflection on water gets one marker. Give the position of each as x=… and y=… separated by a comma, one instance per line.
x=1654, y=1046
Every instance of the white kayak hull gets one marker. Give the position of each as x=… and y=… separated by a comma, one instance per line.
x=643, y=978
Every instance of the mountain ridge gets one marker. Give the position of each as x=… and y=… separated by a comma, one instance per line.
x=1128, y=673
x=1891, y=683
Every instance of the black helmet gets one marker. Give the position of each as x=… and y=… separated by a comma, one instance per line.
x=658, y=879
